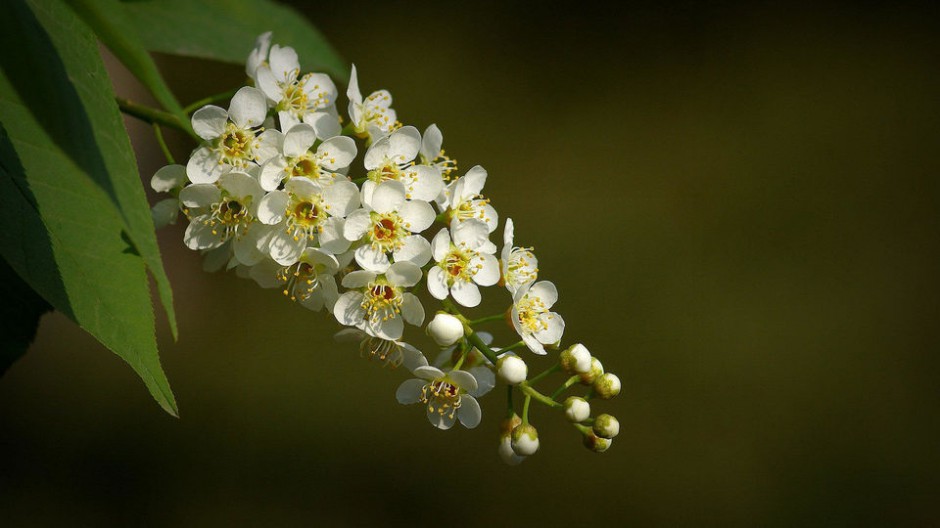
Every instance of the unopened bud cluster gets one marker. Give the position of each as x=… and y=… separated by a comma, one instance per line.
x=367, y=219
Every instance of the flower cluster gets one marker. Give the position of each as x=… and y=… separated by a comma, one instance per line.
x=354, y=215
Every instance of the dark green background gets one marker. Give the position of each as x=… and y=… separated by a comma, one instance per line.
x=738, y=206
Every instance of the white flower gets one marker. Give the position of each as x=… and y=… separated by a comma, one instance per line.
x=310, y=281
x=372, y=117
x=462, y=263
x=465, y=202
x=432, y=154
x=223, y=212
x=577, y=409
x=295, y=97
x=392, y=158
x=576, y=359
x=258, y=55
x=307, y=213
x=525, y=440
x=519, y=265
x=168, y=179
x=535, y=324
x=511, y=369
x=445, y=329
x=391, y=353
x=387, y=224
x=231, y=141
x=331, y=158
x=449, y=397
x=378, y=304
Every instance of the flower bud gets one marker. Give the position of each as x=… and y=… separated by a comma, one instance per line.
x=445, y=329
x=596, y=443
x=576, y=359
x=596, y=371
x=511, y=369
x=525, y=440
x=606, y=426
x=577, y=409
x=507, y=454
x=607, y=385
x=506, y=426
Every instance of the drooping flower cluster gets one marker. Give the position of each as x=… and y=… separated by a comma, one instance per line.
x=357, y=215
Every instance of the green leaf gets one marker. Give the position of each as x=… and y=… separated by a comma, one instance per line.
x=225, y=30
x=19, y=315
x=74, y=222
x=109, y=21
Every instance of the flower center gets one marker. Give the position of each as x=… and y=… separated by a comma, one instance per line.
x=230, y=218
x=298, y=99
x=236, y=146
x=381, y=301
x=388, y=171
x=521, y=266
x=304, y=165
x=471, y=208
x=530, y=314
x=304, y=216
x=458, y=265
x=388, y=231
x=300, y=281
x=441, y=397
x=384, y=350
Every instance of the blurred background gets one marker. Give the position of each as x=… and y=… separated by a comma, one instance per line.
x=738, y=204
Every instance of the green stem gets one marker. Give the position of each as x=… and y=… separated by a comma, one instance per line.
x=152, y=115
x=525, y=409
x=166, y=151
x=509, y=400
x=460, y=361
x=546, y=372
x=530, y=392
x=211, y=99
x=488, y=318
x=517, y=344
x=571, y=381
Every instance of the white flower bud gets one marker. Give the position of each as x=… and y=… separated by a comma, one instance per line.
x=507, y=454
x=596, y=443
x=525, y=440
x=596, y=371
x=577, y=409
x=606, y=426
x=511, y=369
x=607, y=386
x=576, y=359
x=445, y=329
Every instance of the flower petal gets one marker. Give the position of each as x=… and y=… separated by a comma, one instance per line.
x=348, y=309
x=168, y=178
x=358, y=279
x=469, y=412
x=284, y=248
x=466, y=293
x=270, y=144
x=209, y=122
x=416, y=249
x=409, y=392
x=463, y=379
x=440, y=245
x=283, y=61
x=341, y=198
x=389, y=196
x=488, y=273
x=404, y=274
x=248, y=107
x=298, y=140
x=204, y=166
x=357, y=223
x=272, y=207
x=545, y=291
x=471, y=233
x=428, y=373
x=411, y=309
x=376, y=154
x=199, y=235
x=417, y=215
x=325, y=124
x=555, y=328
x=200, y=195
x=431, y=143
x=427, y=183
x=337, y=152
x=272, y=173
x=372, y=259
x=403, y=144
x=331, y=236
x=437, y=283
